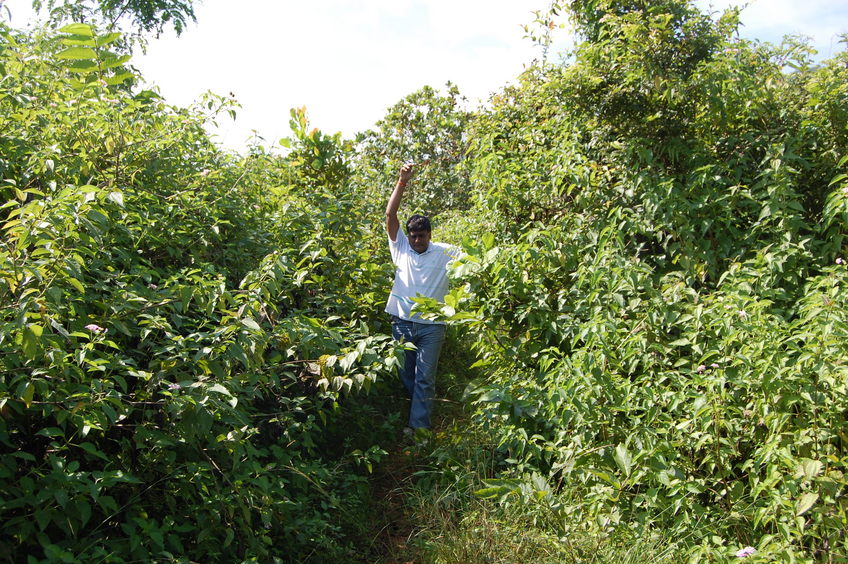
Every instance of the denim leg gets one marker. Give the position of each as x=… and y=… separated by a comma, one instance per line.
x=403, y=331
x=418, y=373
x=429, y=339
x=407, y=373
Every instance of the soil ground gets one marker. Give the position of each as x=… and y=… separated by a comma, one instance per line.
x=395, y=528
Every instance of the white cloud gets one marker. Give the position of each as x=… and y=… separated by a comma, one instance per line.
x=769, y=20
x=349, y=61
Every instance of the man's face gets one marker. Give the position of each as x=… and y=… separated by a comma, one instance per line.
x=419, y=240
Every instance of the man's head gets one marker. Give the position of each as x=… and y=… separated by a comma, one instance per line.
x=418, y=232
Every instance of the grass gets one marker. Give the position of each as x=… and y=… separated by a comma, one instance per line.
x=424, y=508
x=452, y=525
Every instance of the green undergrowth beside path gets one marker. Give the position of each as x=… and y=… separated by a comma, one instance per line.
x=648, y=324
x=427, y=507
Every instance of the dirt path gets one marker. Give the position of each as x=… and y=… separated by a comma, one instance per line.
x=393, y=480
x=396, y=528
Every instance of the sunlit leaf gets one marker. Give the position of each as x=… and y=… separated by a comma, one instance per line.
x=108, y=38
x=116, y=197
x=78, y=29
x=805, y=502
x=251, y=324
x=623, y=459
x=74, y=53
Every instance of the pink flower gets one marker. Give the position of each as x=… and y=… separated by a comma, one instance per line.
x=94, y=328
x=840, y=261
x=714, y=365
x=745, y=552
x=174, y=387
x=742, y=314
x=701, y=368
x=152, y=286
x=845, y=190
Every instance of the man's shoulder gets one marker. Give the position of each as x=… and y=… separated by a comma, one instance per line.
x=400, y=244
x=400, y=237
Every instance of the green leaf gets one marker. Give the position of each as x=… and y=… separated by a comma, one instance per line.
x=488, y=493
x=451, y=300
x=119, y=78
x=26, y=393
x=251, y=324
x=76, y=284
x=107, y=39
x=805, y=503
x=78, y=29
x=837, y=179
x=117, y=197
x=74, y=53
x=498, y=488
x=61, y=496
x=348, y=361
x=23, y=455
x=113, y=62
x=82, y=66
x=220, y=389
x=623, y=459
x=84, y=509
x=229, y=536
x=809, y=469
x=31, y=343
x=78, y=41
x=110, y=412
x=238, y=352
x=42, y=517
x=91, y=449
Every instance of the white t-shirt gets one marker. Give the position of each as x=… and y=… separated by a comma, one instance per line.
x=416, y=274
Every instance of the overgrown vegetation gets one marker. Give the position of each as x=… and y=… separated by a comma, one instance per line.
x=660, y=309
x=181, y=328
x=653, y=288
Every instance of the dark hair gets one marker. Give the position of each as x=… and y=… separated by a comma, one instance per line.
x=418, y=223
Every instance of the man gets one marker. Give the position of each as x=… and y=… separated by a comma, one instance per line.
x=421, y=270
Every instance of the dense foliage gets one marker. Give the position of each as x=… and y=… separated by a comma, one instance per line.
x=653, y=285
x=427, y=128
x=660, y=309
x=143, y=16
x=179, y=326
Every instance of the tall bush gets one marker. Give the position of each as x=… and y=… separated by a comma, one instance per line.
x=657, y=299
x=179, y=326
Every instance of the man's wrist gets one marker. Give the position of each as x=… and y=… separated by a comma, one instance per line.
x=400, y=184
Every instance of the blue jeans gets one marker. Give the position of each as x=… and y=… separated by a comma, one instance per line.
x=418, y=373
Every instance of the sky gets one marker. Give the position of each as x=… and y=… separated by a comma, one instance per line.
x=348, y=61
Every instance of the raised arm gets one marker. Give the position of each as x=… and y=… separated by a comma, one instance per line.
x=392, y=223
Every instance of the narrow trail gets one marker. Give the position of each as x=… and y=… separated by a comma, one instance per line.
x=396, y=527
